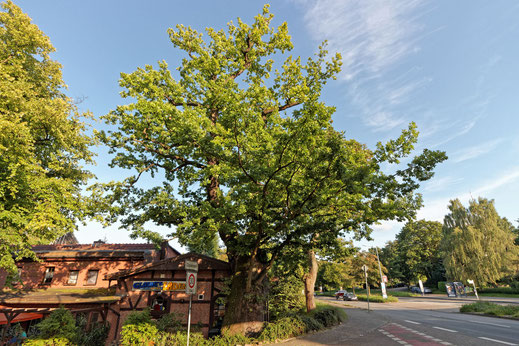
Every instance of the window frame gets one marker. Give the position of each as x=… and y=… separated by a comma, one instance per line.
x=45, y=275
x=88, y=277
x=77, y=277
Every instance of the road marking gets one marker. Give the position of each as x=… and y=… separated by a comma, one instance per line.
x=494, y=340
x=447, y=330
x=403, y=342
x=492, y=324
x=413, y=322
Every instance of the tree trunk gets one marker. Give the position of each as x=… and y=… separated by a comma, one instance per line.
x=309, y=279
x=245, y=308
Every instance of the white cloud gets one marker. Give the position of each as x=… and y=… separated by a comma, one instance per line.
x=475, y=151
x=438, y=184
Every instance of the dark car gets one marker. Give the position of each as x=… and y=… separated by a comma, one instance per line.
x=416, y=289
x=349, y=296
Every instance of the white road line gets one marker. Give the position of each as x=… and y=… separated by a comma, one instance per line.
x=413, y=322
x=492, y=324
x=447, y=330
x=499, y=341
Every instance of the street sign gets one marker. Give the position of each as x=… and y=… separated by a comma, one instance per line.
x=384, y=279
x=420, y=283
x=191, y=282
x=191, y=266
x=159, y=286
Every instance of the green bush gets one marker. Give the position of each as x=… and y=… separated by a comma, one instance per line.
x=377, y=298
x=48, y=342
x=283, y=328
x=285, y=297
x=139, y=317
x=505, y=290
x=169, y=323
x=311, y=323
x=138, y=334
x=493, y=309
x=441, y=286
x=60, y=324
x=327, y=318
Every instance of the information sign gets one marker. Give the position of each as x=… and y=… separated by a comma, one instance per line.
x=191, y=266
x=158, y=286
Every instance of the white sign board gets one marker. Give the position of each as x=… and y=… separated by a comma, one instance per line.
x=191, y=266
x=420, y=283
x=191, y=282
x=383, y=287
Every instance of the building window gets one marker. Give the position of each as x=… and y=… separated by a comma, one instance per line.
x=92, y=277
x=72, y=277
x=49, y=274
x=158, y=304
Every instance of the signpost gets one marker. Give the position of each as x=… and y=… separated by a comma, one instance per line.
x=365, y=268
x=382, y=282
x=420, y=283
x=191, y=274
x=473, y=285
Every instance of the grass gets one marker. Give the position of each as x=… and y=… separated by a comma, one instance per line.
x=502, y=295
x=492, y=309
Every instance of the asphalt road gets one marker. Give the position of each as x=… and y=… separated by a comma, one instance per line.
x=414, y=321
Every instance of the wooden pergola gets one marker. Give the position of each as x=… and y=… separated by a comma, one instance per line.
x=11, y=314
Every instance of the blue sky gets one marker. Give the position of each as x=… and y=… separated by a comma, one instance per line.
x=449, y=66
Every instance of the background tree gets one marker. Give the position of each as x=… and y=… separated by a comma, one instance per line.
x=253, y=154
x=333, y=275
x=370, y=260
x=419, y=250
x=478, y=244
x=392, y=260
x=42, y=142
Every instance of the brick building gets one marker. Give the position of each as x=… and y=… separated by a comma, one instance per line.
x=105, y=282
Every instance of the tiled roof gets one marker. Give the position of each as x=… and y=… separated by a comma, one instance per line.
x=97, y=247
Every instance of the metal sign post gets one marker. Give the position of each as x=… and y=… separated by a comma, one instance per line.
x=382, y=282
x=365, y=268
x=191, y=273
x=473, y=285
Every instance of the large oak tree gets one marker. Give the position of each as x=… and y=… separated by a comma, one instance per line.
x=243, y=148
x=42, y=142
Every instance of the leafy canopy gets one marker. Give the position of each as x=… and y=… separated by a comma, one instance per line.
x=244, y=149
x=42, y=141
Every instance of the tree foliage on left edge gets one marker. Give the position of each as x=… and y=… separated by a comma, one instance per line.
x=41, y=142
x=252, y=149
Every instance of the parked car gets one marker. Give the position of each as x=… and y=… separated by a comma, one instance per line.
x=349, y=296
x=340, y=294
x=416, y=289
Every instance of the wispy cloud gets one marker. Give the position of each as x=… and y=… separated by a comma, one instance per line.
x=475, y=150
x=373, y=38
x=371, y=35
x=439, y=184
x=436, y=209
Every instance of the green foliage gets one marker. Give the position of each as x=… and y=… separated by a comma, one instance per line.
x=285, y=296
x=283, y=328
x=418, y=246
x=505, y=290
x=492, y=309
x=370, y=260
x=95, y=335
x=391, y=259
x=478, y=244
x=311, y=324
x=48, y=342
x=138, y=334
x=139, y=317
x=248, y=151
x=42, y=142
x=441, y=286
x=169, y=323
x=375, y=298
x=60, y=324
x=334, y=275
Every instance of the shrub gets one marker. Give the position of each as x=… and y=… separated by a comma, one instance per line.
x=441, y=286
x=505, y=290
x=377, y=298
x=179, y=339
x=327, y=317
x=283, y=328
x=285, y=297
x=169, y=323
x=139, y=317
x=138, y=334
x=491, y=309
x=311, y=323
x=48, y=342
x=60, y=324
